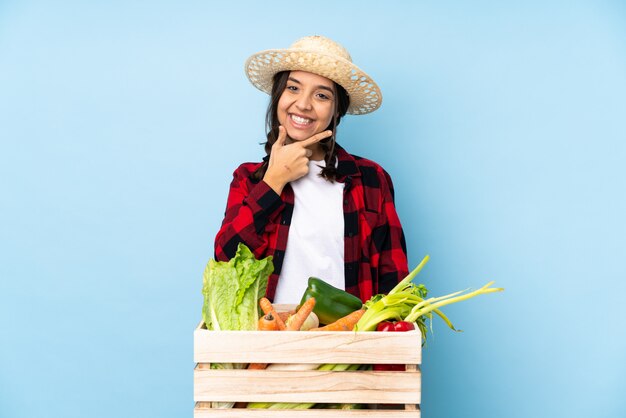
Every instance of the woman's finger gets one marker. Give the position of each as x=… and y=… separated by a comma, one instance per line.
x=309, y=153
x=316, y=138
x=282, y=136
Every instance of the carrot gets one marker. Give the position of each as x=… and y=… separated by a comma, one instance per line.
x=267, y=307
x=345, y=323
x=299, y=317
x=267, y=323
x=257, y=366
x=285, y=315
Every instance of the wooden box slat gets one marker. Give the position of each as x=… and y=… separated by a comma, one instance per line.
x=304, y=413
x=372, y=388
x=307, y=347
x=307, y=386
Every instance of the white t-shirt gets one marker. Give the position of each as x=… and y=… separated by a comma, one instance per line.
x=315, y=246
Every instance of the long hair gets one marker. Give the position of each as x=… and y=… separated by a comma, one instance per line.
x=341, y=104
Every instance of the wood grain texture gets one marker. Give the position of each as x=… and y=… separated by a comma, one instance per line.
x=307, y=347
x=401, y=388
x=307, y=386
x=305, y=413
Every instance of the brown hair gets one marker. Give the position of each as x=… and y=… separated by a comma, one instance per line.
x=342, y=102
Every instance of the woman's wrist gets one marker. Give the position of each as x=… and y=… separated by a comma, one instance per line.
x=275, y=184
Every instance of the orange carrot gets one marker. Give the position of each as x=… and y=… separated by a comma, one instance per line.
x=257, y=366
x=345, y=323
x=267, y=323
x=267, y=307
x=299, y=317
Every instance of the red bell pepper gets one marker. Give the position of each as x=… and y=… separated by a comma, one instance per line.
x=399, y=326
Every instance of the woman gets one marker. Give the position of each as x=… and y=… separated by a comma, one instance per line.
x=316, y=209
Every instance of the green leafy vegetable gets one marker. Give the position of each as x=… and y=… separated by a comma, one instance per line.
x=232, y=291
x=231, y=297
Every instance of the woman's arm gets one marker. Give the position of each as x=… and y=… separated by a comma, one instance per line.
x=249, y=212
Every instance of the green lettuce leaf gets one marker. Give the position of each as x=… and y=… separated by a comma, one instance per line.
x=232, y=290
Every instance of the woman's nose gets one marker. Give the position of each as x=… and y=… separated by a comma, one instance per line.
x=304, y=102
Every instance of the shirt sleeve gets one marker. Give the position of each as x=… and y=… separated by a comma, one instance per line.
x=249, y=212
x=391, y=244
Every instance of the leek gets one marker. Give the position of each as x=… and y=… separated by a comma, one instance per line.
x=408, y=301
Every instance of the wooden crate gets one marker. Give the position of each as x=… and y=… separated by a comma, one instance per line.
x=387, y=394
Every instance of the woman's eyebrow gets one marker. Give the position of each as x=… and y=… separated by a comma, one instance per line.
x=326, y=88
x=321, y=86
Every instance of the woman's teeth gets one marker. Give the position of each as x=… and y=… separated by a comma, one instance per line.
x=299, y=120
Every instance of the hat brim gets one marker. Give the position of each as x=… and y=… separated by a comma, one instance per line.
x=365, y=95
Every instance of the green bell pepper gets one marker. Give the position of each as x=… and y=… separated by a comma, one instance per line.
x=331, y=303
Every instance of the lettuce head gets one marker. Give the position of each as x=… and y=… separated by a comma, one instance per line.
x=232, y=290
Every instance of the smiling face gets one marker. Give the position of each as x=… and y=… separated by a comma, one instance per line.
x=307, y=104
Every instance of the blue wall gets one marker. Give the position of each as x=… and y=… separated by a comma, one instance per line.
x=503, y=126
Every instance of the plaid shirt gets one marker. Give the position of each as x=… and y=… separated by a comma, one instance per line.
x=375, y=250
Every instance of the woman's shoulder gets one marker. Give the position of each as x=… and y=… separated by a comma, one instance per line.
x=370, y=168
x=366, y=162
x=372, y=176
x=249, y=167
x=243, y=176
x=246, y=169
x=359, y=162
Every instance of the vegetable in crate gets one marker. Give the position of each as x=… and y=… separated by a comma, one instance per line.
x=310, y=322
x=268, y=323
x=231, y=293
x=268, y=308
x=295, y=322
x=407, y=302
x=399, y=326
x=332, y=303
x=345, y=323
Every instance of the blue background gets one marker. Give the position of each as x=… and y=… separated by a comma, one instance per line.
x=503, y=126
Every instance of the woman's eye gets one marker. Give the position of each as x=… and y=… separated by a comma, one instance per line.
x=323, y=96
x=292, y=88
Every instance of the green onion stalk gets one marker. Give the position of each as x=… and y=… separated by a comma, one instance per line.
x=408, y=301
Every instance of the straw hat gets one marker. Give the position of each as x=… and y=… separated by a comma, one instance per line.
x=322, y=56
